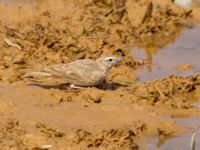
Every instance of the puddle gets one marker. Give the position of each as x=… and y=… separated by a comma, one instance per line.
x=177, y=143
x=181, y=142
x=162, y=63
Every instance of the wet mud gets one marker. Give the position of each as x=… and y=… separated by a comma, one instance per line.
x=44, y=113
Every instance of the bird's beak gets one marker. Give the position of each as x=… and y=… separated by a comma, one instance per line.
x=118, y=60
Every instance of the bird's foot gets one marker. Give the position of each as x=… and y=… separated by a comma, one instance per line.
x=75, y=87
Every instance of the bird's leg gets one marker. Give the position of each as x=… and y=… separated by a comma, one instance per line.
x=75, y=87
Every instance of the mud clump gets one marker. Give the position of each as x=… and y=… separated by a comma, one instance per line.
x=10, y=133
x=49, y=132
x=168, y=90
x=13, y=136
x=111, y=139
x=184, y=67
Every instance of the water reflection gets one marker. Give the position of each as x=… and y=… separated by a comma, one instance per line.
x=162, y=62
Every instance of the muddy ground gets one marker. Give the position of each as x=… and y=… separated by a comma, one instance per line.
x=119, y=114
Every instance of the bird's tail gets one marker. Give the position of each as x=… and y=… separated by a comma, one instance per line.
x=37, y=74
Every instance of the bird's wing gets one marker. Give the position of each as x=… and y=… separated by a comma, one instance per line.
x=77, y=71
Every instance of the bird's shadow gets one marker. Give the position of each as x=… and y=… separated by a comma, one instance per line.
x=103, y=86
x=109, y=86
x=45, y=86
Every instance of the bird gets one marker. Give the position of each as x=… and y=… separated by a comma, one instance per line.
x=186, y=4
x=80, y=73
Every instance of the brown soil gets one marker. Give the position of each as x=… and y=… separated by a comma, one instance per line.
x=120, y=113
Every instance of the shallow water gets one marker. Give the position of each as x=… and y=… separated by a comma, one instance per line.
x=176, y=143
x=162, y=63
x=181, y=142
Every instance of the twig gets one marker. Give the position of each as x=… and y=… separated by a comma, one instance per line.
x=192, y=144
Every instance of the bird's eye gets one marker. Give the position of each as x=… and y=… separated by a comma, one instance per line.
x=110, y=60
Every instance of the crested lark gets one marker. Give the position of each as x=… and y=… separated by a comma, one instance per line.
x=80, y=73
